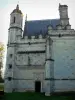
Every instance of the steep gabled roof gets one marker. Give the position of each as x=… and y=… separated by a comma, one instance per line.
x=36, y=27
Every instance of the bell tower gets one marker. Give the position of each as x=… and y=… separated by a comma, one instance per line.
x=16, y=18
x=15, y=28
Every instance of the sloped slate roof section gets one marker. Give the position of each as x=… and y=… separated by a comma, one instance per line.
x=36, y=27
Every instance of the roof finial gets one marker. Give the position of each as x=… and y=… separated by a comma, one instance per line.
x=17, y=7
x=18, y=2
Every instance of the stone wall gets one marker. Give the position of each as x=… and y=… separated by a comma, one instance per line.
x=64, y=60
x=25, y=79
x=29, y=57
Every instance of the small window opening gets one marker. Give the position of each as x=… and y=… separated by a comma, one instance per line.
x=28, y=60
x=9, y=78
x=10, y=66
x=10, y=55
x=59, y=35
x=29, y=43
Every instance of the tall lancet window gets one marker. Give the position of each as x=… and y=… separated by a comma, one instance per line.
x=14, y=20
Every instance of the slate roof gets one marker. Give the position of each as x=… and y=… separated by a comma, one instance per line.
x=36, y=27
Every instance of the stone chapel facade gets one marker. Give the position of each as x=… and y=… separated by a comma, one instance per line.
x=42, y=57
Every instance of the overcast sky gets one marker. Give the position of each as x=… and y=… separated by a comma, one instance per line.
x=35, y=9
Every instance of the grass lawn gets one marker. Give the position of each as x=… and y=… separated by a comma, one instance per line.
x=37, y=96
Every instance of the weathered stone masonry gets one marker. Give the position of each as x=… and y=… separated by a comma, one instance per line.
x=40, y=58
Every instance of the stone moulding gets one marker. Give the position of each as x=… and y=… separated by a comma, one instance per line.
x=62, y=32
x=60, y=79
x=50, y=59
x=30, y=67
x=26, y=52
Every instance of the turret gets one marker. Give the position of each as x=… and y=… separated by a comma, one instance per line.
x=16, y=18
x=15, y=29
x=64, y=20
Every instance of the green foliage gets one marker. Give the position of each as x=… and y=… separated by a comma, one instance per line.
x=1, y=87
x=1, y=51
x=1, y=59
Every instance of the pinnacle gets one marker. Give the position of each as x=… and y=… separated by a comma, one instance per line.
x=17, y=7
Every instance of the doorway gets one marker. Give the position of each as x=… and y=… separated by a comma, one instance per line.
x=37, y=86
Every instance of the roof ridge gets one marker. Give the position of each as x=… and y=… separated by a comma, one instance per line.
x=42, y=20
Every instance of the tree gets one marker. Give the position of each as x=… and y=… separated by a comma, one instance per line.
x=1, y=58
